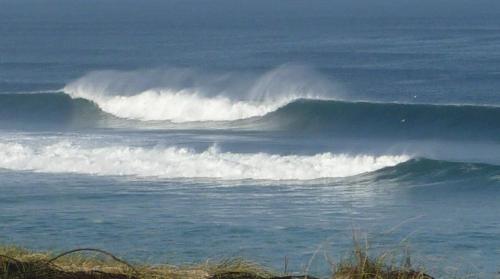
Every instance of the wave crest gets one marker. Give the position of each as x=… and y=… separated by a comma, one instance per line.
x=183, y=95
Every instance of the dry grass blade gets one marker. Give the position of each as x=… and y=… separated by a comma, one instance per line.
x=22, y=264
x=52, y=260
x=364, y=267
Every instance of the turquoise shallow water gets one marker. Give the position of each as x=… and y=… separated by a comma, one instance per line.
x=187, y=134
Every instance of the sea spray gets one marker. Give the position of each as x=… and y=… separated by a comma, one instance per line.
x=182, y=95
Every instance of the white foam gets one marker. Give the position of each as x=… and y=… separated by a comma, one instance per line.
x=181, y=95
x=181, y=106
x=175, y=162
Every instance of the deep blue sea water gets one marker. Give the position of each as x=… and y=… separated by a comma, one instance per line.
x=168, y=133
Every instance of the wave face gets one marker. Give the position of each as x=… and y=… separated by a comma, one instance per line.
x=430, y=172
x=175, y=162
x=44, y=110
x=183, y=95
x=364, y=119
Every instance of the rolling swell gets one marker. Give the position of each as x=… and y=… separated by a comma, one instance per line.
x=50, y=110
x=387, y=120
x=444, y=177
x=429, y=170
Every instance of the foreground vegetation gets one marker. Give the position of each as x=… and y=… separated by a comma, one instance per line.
x=97, y=264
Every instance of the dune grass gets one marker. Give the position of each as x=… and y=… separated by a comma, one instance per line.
x=361, y=266
x=18, y=263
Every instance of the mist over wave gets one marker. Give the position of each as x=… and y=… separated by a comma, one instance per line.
x=177, y=162
x=183, y=95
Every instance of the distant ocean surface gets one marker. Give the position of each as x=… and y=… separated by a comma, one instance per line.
x=194, y=134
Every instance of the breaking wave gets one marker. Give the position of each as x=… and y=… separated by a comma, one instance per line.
x=184, y=95
x=318, y=117
x=289, y=98
x=177, y=162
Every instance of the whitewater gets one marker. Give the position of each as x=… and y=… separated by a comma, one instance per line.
x=187, y=95
x=174, y=162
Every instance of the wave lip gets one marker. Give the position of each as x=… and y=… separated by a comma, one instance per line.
x=176, y=162
x=180, y=106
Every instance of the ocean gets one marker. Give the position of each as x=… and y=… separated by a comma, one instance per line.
x=167, y=133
